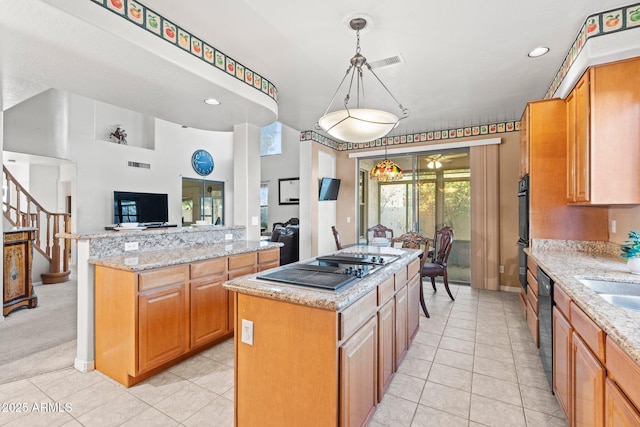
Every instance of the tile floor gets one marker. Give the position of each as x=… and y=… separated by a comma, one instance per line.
x=472, y=363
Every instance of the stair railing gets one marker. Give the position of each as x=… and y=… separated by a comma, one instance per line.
x=22, y=210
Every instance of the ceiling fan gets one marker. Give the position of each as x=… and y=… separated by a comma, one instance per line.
x=435, y=161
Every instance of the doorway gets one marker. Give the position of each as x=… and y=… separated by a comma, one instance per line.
x=435, y=191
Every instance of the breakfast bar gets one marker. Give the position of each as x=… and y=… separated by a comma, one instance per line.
x=316, y=357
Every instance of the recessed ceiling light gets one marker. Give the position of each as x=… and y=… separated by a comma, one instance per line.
x=211, y=101
x=539, y=51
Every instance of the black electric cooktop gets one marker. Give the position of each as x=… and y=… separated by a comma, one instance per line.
x=330, y=272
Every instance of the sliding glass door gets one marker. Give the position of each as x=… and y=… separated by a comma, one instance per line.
x=435, y=191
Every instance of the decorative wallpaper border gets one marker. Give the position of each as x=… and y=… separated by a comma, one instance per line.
x=151, y=21
x=599, y=24
x=464, y=132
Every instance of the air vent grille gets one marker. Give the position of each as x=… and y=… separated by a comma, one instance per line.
x=139, y=165
x=386, y=62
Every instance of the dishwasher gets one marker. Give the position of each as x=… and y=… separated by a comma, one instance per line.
x=545, y=317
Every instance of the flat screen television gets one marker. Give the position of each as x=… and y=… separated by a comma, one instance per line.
x=329, y=189
x=140, y=207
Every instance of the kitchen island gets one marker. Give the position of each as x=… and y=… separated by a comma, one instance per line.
x=596, y=354
x=313, y=357
x=122, y=258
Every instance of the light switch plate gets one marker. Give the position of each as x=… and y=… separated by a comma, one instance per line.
x=131, y=246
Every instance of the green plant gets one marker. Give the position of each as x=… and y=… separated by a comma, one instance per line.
x=631, y=246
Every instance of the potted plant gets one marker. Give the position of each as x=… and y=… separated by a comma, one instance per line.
x=631, y=251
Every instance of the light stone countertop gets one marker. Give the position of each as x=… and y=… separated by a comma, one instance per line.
x=566, y=266
x=151, y=230
x=139, y=261
x=326, y=299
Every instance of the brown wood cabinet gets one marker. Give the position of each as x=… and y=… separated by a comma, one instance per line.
x=18, y=256
x=619, y=411
x=587, y=385
x=340, y=373
x=603, y=135
x=562, y=331
x=546, y=133
x=147, y=321
x=524, y=143
x=532, y=307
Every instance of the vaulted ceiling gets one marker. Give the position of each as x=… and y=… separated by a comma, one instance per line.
x=465, y=63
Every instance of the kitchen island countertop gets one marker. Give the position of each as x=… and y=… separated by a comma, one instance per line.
x=567, y=265
x=326, y=299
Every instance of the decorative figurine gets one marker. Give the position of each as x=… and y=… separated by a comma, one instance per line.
x=120, y=135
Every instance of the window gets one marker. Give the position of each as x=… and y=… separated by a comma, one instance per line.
x=264, y=205
x=271, y=139
x=202, y=200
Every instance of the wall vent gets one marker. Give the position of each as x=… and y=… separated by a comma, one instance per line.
x=386, y=62
x=139, y=165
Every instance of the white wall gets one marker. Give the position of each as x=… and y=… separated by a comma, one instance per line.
x=284, y=165
x=327, y=208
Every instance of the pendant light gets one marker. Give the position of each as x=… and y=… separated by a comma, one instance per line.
x=386, y=170
x=359, y=124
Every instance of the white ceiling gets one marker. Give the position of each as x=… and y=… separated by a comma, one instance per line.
x=465, y=62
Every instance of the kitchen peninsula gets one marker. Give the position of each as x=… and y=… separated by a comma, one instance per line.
x=131, y=282
x=315, y=357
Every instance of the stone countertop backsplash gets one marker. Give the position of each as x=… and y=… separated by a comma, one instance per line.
x=567, y=261
x=139, y=261
x=326, y=299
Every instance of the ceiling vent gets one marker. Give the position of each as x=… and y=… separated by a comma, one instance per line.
x=139, y=165
x=387, y=62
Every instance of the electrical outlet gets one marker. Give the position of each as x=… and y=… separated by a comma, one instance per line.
x=131, y=246
x=613, y=226
x=228, y=237
x=247, y=331
x=501, y=269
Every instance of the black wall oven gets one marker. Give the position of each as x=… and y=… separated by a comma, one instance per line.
x=523, y=228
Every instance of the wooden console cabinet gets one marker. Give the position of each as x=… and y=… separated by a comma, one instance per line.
x=17, y=285
x=147, y=321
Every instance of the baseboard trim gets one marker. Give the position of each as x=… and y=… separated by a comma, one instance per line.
x=515, y=289
x=84, y=366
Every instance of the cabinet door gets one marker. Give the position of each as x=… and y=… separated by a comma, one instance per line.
x=413, y=307
x=571, y=147
x=163, y=319
x=401, y=325
x=561, y=359
x=582, y=140
x=209, y=310
x=386, y=349
x=619, y=412
x=524, y=143
x=587, y=386
x=358, y=376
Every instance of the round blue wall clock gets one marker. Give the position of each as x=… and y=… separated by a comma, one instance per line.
x=202, y=162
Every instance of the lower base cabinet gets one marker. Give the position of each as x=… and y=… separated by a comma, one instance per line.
x=587, y=385
x=561, y=357
x=386, y=346
x=619, y=412
x=358, y=376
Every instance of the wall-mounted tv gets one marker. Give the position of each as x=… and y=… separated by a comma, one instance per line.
x=140, y=207
x=329, y=189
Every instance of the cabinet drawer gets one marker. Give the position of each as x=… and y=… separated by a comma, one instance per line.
x=533, y=300
x=213, y=267
x=356, y=314
x=385, y=291
x=269, y=256
x=161, y=277
x=532, y=283
x=400, y=278
x=532, y=265
x=413, y=268
x=232, y=274
x=562, y=300
x=237, y=262
x=590, y=333
x=624, y=371
x=522, y=297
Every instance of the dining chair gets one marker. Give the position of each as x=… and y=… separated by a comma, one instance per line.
x=336, y=237
x=442, y=244
x=379, y=231
x=415, y=240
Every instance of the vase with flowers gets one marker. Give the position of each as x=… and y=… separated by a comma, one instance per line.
x=631, y=251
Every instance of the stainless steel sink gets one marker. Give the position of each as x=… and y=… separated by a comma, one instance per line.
x=621, y=294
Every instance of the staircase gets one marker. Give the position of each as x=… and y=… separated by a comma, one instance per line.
x=22, y=210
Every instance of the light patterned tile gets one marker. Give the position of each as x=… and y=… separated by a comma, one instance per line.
x=114, y=412
x=415, y=367
x=222, y=353
x=406, y=387
x=494, y=353
x=68, y=384
x=540, y=400
x=532, y=377
x=422, y=351
x=218, y=412
x=453, y=377
x=461, y=334
x=494, y=413
x=429, y=417
x=394, y=411
x=219, y=380
x=194, y=367
x=446, y=399
x=494, y=339
x=496, y=389
x=158, y=387
x=150, y=418
x=454, y=359
x=461, y=346
x=427, y=338
x=495, y=368
x=535, y=419
x=186, y=402
x=462, y=324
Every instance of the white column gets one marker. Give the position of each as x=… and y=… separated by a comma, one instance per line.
x=246, y=179
x=86, y=350
x=1, y=161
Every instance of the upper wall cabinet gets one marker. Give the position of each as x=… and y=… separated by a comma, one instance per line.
x=603, y=136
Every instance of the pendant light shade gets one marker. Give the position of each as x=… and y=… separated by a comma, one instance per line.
x=359, y=124
x=386, y=170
